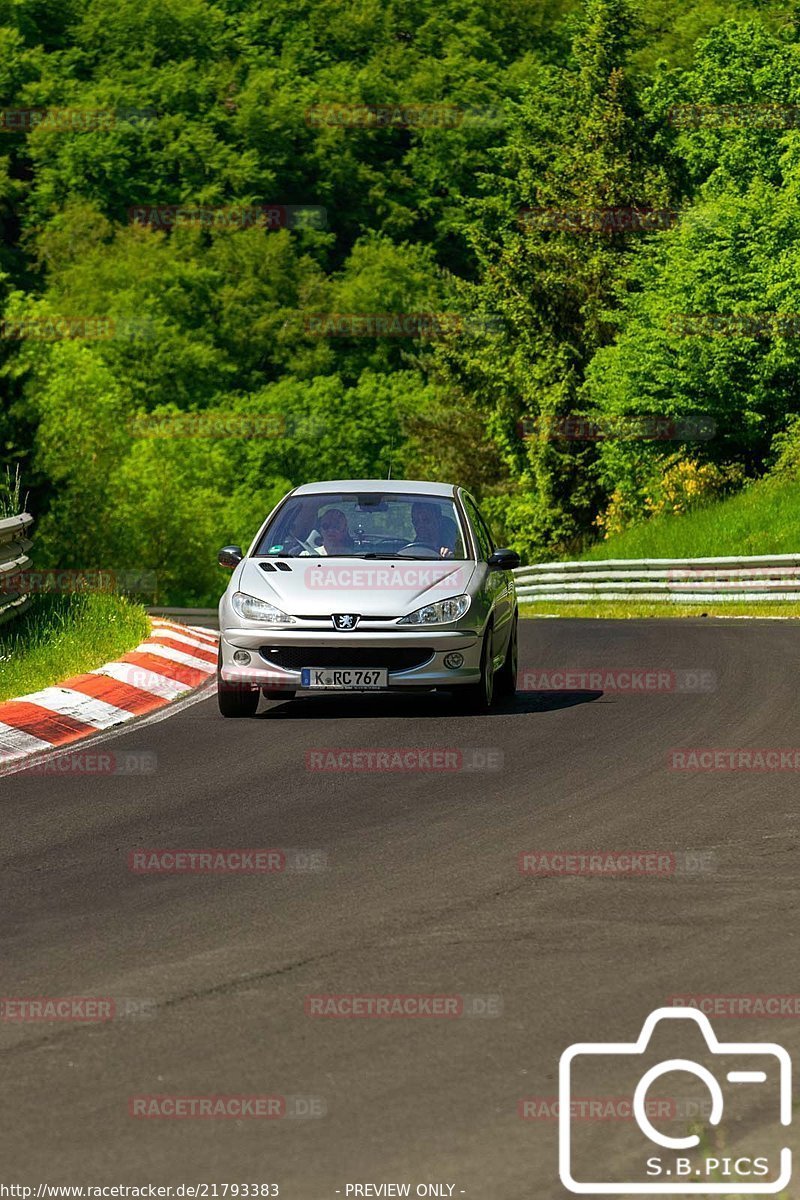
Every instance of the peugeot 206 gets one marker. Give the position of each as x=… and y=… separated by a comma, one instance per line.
x=369, y=586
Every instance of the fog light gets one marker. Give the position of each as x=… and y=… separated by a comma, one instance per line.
x=453, y=661
x=241, y=657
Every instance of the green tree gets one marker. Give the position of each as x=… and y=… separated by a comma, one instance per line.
x=578, y=143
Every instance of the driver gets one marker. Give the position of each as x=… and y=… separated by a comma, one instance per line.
x=431, y=529
x=336, y=537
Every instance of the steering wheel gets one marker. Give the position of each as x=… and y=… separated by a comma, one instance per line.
x=416, y=546
x=296, y=541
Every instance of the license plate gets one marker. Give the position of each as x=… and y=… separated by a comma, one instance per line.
x=344, y=678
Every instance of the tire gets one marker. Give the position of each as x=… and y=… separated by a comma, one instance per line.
x=479, y=697
x=235, y=701
x=506, y=678
x=268, y=695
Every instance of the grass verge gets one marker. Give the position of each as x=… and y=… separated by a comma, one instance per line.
x=60, y=636
x=622, y=610
x=762, y=519
x=11, y=502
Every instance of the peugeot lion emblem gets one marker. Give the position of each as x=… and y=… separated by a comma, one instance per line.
x=344, y=620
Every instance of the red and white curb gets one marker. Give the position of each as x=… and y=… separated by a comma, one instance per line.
x=172, y=661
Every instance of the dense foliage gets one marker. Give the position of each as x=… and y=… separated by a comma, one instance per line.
x=488, y=198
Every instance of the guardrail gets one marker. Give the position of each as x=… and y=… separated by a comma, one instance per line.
x=751, y=578
x=205, y=617
x=14, y=547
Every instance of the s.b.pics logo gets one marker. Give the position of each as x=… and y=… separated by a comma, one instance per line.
x=746, y=1103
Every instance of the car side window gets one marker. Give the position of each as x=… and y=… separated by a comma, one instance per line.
x=477, y=522
x=487, y=532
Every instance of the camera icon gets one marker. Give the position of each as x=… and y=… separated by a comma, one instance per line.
x=683, y=1164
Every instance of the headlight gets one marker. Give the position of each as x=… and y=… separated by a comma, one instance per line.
x=253, y=609
x=440, y=613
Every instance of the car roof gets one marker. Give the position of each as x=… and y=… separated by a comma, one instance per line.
x=415, y=486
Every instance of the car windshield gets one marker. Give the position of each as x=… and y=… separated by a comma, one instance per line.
x=364, y=524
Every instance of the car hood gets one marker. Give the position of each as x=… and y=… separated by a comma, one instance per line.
x=317, y=587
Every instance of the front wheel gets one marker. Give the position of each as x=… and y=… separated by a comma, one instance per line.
x=235, y=700
x=506, y=681
x=479, y=697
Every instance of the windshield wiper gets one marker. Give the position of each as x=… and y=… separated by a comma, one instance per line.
x=416, y=557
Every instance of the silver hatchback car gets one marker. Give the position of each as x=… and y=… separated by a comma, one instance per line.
x=369, y=585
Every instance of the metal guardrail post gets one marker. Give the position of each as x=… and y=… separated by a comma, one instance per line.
x=14, y=547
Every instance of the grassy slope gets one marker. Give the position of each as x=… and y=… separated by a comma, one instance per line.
x=60, y=636
x=764, y=519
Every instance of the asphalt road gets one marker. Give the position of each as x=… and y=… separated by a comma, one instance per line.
x=421, y=895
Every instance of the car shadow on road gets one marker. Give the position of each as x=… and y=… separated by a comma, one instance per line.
x=342, y=707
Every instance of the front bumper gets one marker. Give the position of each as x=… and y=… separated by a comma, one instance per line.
x=431, y=673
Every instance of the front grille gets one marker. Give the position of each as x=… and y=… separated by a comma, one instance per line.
x=395, y=658
x=326, y=620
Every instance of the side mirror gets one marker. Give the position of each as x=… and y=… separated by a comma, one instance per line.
x=230, y=556
x=504, y=560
